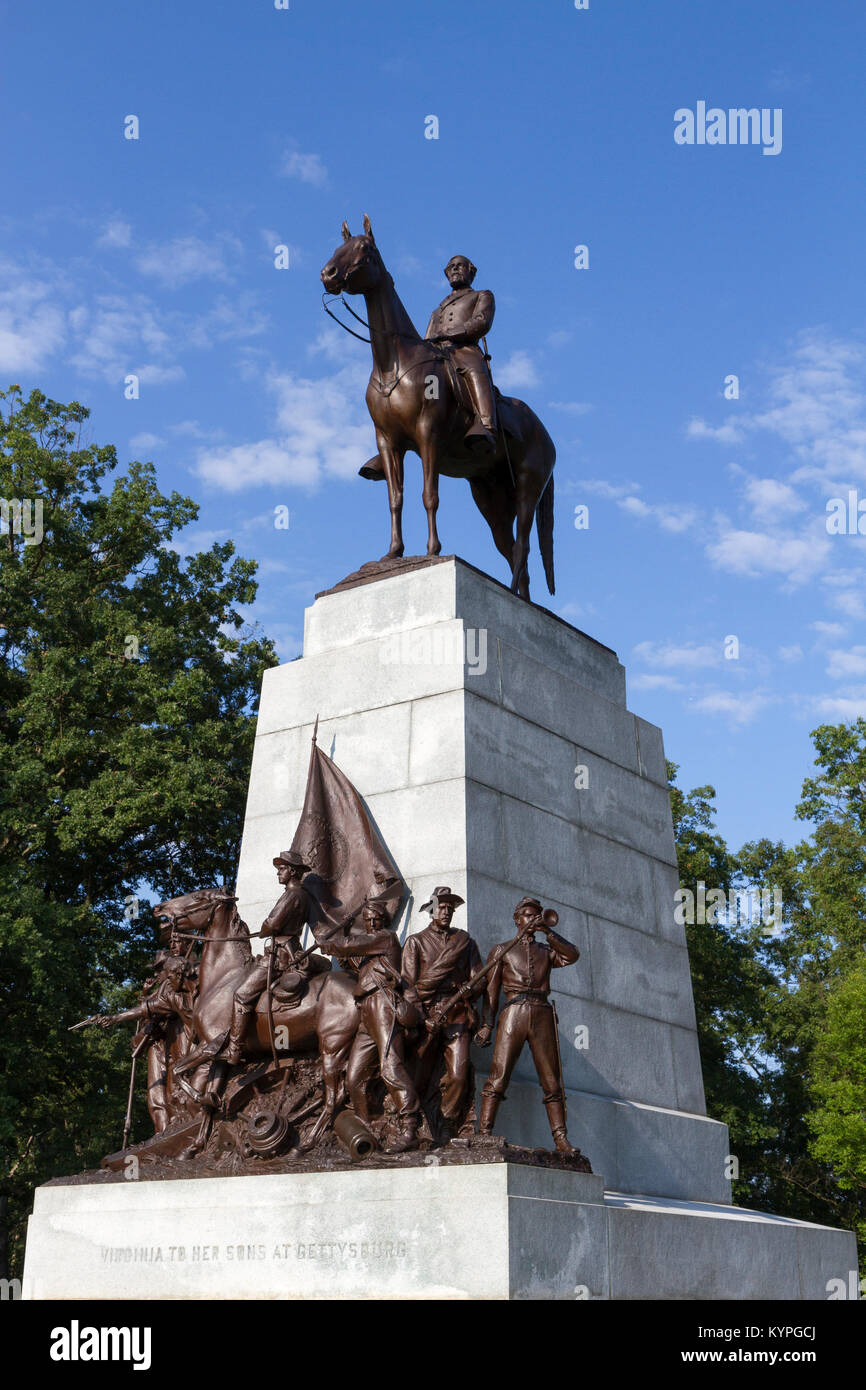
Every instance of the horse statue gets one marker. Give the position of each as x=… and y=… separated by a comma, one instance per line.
x=325, y=1020
x=415, y=402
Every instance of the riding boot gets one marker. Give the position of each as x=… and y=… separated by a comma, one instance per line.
x=556, y=1118
x=482, y=431
x=489, y=1107
x=240, y=1014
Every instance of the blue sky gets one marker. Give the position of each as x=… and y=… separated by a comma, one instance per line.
x=707, y=516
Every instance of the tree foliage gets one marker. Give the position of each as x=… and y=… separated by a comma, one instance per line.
x=128, y=686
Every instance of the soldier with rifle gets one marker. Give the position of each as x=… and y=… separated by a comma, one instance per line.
x=438, y=962
x=387, y=1008
x=522, y=969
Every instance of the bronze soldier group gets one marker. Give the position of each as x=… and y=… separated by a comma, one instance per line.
x=417, y=1010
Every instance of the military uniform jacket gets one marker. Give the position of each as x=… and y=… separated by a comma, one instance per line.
x=438, y=962
x=290, y=914
x=362, y=954
x=463, y=317
x=526, y=967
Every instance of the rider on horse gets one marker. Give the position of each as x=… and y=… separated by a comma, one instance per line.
x=463, y=317
x=284, y=925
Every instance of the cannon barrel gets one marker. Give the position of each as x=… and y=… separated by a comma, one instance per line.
x=354, y=1135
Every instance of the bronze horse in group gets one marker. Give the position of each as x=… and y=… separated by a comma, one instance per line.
x=325, y=1020
x=413, y=405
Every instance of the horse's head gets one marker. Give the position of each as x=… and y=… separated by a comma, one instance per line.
x=193, y=912
x=356, y=265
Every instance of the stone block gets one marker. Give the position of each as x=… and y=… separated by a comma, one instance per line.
x=485, y=1231
x=652, y=974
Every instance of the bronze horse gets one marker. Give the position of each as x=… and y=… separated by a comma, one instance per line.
x=412, y=402
x=326, y=1017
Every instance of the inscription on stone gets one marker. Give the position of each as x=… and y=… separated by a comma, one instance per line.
x=240, y=1253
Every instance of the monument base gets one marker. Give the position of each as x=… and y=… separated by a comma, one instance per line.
x=475, y=1231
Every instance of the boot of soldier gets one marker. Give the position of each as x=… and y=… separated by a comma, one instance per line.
x=407, y=1138
x=556, y=1116
x=489, y=1107
x=232, y=1053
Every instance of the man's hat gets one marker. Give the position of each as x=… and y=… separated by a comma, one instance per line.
x=291, y=857
x=382, y=893
x=441, y=895
x=528, y=902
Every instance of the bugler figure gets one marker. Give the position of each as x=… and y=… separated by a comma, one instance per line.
x=528, y=1015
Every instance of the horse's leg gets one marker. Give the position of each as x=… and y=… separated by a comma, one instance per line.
x=428, y=452
x=496, y=505
x=392, y=462
x=526, y=503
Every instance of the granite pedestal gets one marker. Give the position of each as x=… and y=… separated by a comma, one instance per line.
x=486, y=1231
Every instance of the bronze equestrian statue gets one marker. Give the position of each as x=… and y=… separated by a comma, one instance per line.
x=416, y=399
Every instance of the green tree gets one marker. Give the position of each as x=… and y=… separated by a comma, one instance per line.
x=729, y=982
x=128, y=689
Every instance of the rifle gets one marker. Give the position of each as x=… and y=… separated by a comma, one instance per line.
x=137, y=1051
x=550, y=918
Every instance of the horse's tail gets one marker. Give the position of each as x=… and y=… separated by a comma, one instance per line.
x=544, y=526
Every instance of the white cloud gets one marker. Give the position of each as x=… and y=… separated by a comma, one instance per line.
x=828, y=629
x=755, y=553
x=321, y=426
x=306, y=167
x=669, y=516
x=817, y=406
x=739, y=709
x=720, y=434
x=771, y=497
x=228, y=319
x=114, y=333
x=32, y=327
x=687, y=655
x=191, y=542
x=116, y=233
x=645, y=680
x=145, y=441
x=600, y=487
x=235, y=468
x=182, y=259
x=841, y=664
x=571, y=407
x=792, y=653
x=842, y=707
x=518, y=372
x=850, y=602
x=153, y=374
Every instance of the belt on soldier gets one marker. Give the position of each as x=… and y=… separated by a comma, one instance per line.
x=528, y=996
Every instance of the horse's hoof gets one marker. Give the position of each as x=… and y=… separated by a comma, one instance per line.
x=393, y=554
x=435, y=549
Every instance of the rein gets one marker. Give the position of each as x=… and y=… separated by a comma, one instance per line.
x=345, y=327
x=386, y=333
